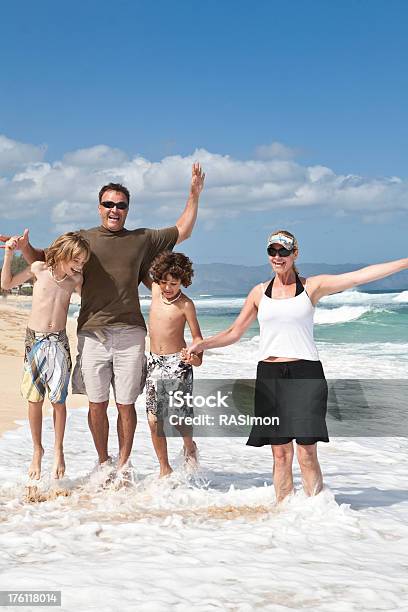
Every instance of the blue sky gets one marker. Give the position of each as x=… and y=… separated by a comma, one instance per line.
x=168, y=82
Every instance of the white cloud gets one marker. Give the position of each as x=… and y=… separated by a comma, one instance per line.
x=99, y=156
x=275, y=150
x=14, y=155
x=64, y=193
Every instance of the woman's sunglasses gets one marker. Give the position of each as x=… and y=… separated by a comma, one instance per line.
x=282, y=252
x=119, y=205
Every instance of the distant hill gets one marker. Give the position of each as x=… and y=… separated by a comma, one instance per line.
x=228, y=279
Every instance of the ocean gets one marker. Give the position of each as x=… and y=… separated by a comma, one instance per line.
x=358, y=334
x=213, y=540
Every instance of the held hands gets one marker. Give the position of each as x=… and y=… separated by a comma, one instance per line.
x=14, y=242
x=197, y=180
x=11, y=244
x=190, y=357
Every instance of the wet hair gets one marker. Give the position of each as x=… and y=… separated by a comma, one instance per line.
x=295, y=244
x=176, y=264
x=115, y=187
x=67, y=247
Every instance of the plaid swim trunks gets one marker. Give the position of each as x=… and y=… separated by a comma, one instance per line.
x=47, y=366
x=167, y=374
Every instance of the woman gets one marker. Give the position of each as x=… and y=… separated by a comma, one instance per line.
x=285, y=308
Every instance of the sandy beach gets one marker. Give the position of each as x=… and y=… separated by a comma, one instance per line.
x=13, y=321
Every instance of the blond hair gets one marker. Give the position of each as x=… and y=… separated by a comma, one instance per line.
x=295, y=244
x=67, y=247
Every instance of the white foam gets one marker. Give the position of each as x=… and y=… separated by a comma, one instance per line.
x=340, y=360
x=213, y=542
x=353, y=296
x=343, y=314
x=220, y=302
x=401, y=297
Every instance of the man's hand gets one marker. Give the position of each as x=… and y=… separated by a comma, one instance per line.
x=197, y=180
x=23, y=240
x=186, y=221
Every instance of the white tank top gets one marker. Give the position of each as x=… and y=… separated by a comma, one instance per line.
x=286, y=326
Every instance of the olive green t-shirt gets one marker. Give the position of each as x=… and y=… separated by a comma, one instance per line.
x=118, y=263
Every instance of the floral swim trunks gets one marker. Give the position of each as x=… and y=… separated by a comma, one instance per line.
x=167, y=374
x=47, y=366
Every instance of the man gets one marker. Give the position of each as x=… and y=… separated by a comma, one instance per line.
x=111, y=328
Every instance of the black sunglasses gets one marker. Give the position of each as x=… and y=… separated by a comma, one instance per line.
x=119, y=205
x=282, y=252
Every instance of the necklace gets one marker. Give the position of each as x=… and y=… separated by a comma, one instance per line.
x=56, y=279
x=168, y=302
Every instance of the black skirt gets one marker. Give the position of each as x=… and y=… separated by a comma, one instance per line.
x=290, y=403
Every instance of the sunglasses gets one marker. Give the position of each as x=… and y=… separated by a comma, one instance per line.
x=119, y=205
x=282, y=252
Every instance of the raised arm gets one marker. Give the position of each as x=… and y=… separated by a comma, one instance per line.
x=29, y=253
x=233, y=333
x=147, y=281
x=186, y=221
x=8, y=281
x=326, y=284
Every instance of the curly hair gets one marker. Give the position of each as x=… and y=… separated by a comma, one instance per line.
x=67, y=247
x=177, y=264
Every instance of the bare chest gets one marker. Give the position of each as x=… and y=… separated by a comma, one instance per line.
x=48, y=290
x=166, y=315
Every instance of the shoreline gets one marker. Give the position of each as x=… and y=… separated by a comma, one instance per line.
x=13, y=321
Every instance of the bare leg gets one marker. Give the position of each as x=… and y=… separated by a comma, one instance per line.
x=312, y=478
x=60, y=417
x=282, y=470
x=190, y=447
x=126, y=430
x=35, y=419
x=160, y=445
x=99, y=426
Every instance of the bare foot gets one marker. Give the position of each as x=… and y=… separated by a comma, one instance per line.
x=165, y=470
x=191, y=455
x=34, y=471
x=58, y=469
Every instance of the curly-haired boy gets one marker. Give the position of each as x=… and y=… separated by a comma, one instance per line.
x=170, y=310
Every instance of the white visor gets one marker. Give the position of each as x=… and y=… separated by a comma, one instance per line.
x=285, y=241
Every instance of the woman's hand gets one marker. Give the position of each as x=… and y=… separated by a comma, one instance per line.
x=189, y=354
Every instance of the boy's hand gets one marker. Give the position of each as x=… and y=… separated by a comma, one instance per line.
x=197, y=180
x=22, y=241
x=184, y=356
x=190, y=358
x=12, y=243
x=4, y=238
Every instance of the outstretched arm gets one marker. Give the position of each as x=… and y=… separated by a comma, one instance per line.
x=186, y=221
x=326, y=284
x=233, y=333
x=8, y=281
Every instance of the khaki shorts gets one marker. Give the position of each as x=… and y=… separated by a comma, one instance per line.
x=110, y=356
